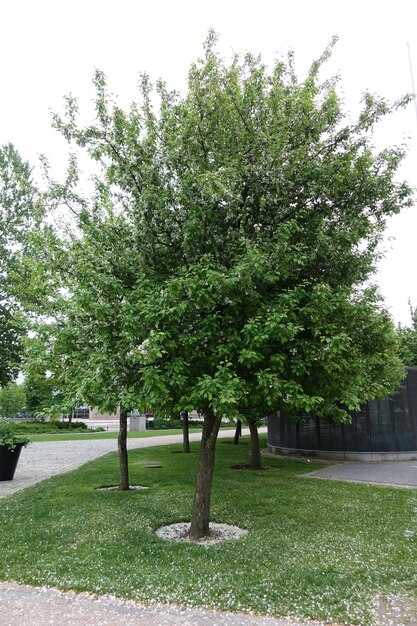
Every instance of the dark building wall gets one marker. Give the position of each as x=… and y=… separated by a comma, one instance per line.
x=385, y=425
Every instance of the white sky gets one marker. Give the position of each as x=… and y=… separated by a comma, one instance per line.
x=49, y=48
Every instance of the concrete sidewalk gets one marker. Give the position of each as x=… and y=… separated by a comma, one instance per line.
x=394, y=473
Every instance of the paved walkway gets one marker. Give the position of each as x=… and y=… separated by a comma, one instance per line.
x=28, y=606
x=395, y=473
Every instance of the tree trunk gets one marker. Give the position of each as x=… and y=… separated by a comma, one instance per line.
x=238, y=432
x=70, y=417
x=185, y=433
x=122, y=447
x=201, y=510
x=255, y=453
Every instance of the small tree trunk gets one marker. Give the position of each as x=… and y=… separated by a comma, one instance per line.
x=122, y=447
x=185, y=433
x=238, y=432
x=70, y=418
x=255, y=454
x=201, y=510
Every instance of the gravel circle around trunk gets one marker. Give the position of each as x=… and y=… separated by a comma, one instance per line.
x=218, y=533
x=116, y=488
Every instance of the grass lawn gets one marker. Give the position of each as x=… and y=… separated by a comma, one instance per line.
x=71, y=436
x=315, y=549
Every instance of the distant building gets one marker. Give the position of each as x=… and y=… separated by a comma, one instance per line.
x=96, y=415
x=86, y=412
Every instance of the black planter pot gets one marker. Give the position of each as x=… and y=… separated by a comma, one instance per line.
x=8, y=461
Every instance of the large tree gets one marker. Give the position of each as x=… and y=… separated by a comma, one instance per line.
x=248, y=217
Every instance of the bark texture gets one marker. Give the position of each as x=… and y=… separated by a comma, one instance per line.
x=201, y=510
x=255, y=451
x=122, y=447
x=238, y=433
x=185, y=433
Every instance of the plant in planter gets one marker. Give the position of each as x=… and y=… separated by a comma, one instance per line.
x=11, y=445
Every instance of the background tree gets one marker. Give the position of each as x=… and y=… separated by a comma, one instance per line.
x=238, y=432
x=252, y=215
x=81, y=333
x=185, y=432
x=41, y=395
x=12, y=399
x=12, y=327
x=407, y=339
x=19, y=211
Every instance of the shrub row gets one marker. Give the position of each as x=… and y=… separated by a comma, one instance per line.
x=38, y=427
